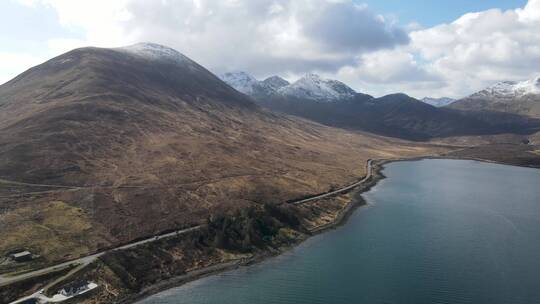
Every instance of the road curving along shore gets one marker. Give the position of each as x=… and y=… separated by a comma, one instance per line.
x=373, y=174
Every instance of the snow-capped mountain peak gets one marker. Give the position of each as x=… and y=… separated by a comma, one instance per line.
x=516, y=97
x=314, y=87
x=310, y=87
x=275, y=82
x=153, y=51
x=511, y=89
x=438, y=102
x=531, y=86
x=241, y=81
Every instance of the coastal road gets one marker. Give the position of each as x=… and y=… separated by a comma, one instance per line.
x=6, y=280
x=81, y=262
x=369, y=172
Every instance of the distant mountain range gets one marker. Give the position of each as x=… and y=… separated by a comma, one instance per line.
x=438, y=102
x=333, y=103
x=521, y=98
x=310, y=87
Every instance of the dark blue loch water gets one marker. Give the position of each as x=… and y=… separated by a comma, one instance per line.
x=435, y=231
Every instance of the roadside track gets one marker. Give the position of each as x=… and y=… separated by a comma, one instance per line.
x=369, y=170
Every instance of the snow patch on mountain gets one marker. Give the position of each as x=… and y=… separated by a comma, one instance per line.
x=511, y=89
x=153, y=51
x=241, y=81
x=310, y=87
x=438, y=102
x=275, y=82
x=531, y=86
x=316, y=88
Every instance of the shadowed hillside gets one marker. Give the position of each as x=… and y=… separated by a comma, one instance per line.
x=333, y=103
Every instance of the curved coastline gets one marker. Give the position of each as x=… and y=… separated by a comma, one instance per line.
x=356, y=202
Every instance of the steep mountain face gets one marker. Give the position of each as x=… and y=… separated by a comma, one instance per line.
x=241, y=81
x=438, y=102
x=115, y=144
x=521, y=98
x=335, y=104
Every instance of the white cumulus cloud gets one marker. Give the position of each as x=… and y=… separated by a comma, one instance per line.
x=338, y=38
x=458, y=58
x=263, y=37
x=480, y=48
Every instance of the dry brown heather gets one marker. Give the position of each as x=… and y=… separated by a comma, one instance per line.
x=512, y=149
x=520, y=155
x=148, y=146
x=467, y=141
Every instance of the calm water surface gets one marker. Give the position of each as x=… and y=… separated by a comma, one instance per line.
x=436, y=231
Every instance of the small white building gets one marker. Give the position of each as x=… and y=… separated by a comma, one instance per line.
x=75, y=290
x=22, y=256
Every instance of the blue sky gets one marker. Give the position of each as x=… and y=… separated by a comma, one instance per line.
x=23, y=28
x=337, y=39
x=430, y=13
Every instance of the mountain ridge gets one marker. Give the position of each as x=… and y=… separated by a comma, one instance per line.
x=395, y=115
x=522, y=98
x=310, y=87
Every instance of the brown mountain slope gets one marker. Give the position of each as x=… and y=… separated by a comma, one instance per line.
x=142, y=140
x=526, y=105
